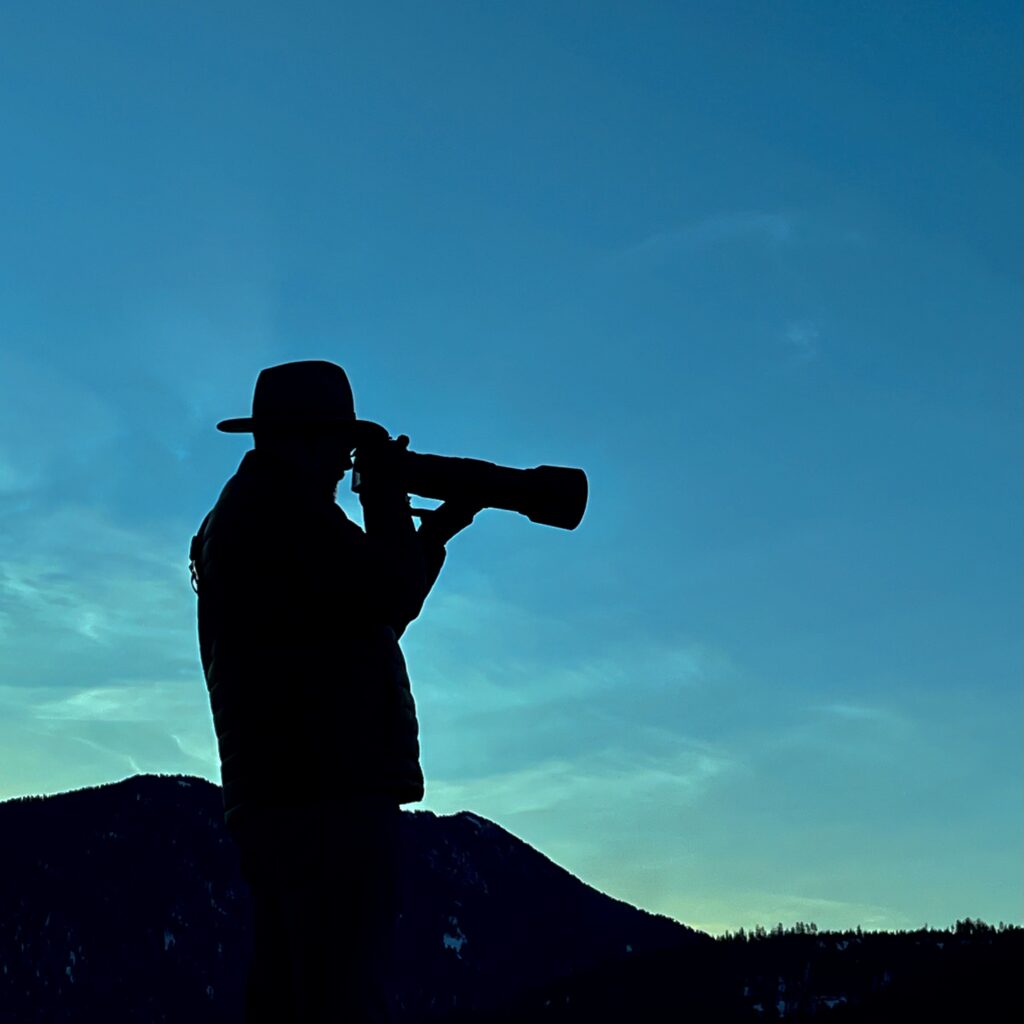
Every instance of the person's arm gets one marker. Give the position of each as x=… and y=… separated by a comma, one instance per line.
x=399, y=571
x=405, y=561
x=437, y=527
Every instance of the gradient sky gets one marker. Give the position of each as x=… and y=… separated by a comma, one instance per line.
x=755, y=267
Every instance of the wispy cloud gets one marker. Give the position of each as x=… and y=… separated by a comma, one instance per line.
x=802, y=338
x=500, y=688
x=867, y=725
x=748, y=908
x=83, y=599
x=772, y=228
x=850, y=733
x=56, y=739
x=58, y=421
x=495, y=653
x=590, y=785
x=163, y=724
x=131, y=702
x=102, y=674
x=859, y=712
x=16, y=475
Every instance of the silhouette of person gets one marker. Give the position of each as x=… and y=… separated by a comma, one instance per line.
x=300, y=613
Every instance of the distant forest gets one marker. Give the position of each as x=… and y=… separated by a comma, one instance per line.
x=968, y=928
x=967, y=973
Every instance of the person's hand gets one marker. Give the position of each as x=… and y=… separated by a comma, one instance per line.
x=442, y=523
x=380, y=462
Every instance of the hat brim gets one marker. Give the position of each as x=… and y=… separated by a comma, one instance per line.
x=357, y=429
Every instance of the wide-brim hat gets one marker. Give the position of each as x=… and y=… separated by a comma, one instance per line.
x=309, y=393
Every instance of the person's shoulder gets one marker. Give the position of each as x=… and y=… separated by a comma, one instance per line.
x=249, y=500
x=246, y=477
x=239, y=493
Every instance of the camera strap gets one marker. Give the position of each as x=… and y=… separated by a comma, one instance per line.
x=195, y=549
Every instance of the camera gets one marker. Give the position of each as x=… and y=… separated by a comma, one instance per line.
x=550, y=495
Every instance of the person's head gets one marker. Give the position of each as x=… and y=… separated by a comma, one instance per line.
x=322, y=452
x=304, y=414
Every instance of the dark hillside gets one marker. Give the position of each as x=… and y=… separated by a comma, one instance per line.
x=124, y=903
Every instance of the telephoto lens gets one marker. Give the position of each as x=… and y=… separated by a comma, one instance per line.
x=550, y=495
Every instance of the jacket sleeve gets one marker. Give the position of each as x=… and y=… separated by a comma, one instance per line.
x=400, y=567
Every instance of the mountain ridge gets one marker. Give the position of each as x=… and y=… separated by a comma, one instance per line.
x=128, y=904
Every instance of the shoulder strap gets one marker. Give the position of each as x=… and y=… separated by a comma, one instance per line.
x=195, y=550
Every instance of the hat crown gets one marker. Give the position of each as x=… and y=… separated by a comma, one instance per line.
x=312, y=389
x=313, y=392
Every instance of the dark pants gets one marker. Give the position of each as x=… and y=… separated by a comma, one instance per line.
x=324, y=883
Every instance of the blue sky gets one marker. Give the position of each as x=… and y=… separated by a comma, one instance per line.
x=755, y=267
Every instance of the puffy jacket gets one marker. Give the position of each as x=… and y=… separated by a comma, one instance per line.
x=300, y=612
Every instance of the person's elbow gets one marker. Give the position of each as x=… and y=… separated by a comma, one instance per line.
x=405, y=606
